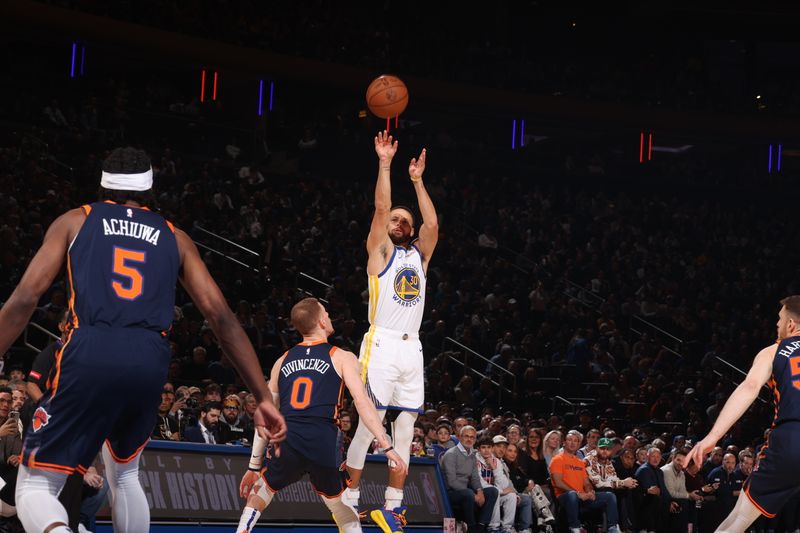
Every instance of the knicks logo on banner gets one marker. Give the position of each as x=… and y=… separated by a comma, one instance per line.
x=40, y=419
x=407, y=286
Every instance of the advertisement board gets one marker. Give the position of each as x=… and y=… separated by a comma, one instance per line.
x=200, y=483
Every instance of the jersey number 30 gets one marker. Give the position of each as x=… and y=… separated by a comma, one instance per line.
x=301, y=392
x=133, y=283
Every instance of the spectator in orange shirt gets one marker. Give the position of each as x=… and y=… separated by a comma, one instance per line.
x=573, y=488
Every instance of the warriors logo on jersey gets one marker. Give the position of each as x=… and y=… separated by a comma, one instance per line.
x=407, y=286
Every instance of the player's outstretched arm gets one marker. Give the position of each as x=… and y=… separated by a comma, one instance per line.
x=234, y=342
x=737, y=404
x=366, y=410
x=40, y=273
x=429, y=231
x=378, y=243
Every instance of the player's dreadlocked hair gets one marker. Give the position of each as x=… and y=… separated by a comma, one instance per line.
x=128, y=160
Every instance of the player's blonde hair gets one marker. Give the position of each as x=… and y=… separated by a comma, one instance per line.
x=305, y=315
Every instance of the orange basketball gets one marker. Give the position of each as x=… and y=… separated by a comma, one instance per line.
x=387, y=96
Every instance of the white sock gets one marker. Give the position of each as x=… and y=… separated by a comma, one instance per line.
x=248, y=520
x=351, y=496
x=394, y=498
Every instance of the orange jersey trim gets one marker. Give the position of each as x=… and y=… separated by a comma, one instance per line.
x=73, y=315
x=86, y=209
x=325, y=495
x=59, y=356
x=760, y=509
x=51, y=467
x=126, y=460
x=132, y=206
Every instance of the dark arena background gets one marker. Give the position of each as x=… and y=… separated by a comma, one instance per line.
x=615, y=187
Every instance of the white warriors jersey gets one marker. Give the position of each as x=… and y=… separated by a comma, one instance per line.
x=397, y=295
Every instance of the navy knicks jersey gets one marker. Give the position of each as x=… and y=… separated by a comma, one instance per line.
x=310, y=395
x=122, y=268
x=785, y=381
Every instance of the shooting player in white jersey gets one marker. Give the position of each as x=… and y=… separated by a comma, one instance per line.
x=391, y=353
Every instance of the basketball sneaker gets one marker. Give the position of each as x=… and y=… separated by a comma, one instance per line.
x=390, y=521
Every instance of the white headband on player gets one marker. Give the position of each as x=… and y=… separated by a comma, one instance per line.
x=127, y=182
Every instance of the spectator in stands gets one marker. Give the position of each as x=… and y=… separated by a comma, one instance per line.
x=230, y=429
x=604, y=477
x=458, y=423
x=625, y=467
x=10, y=448
x=195, y=369
x=473, y=504
x=493, y=476
x=346, y=426
x=601, y=469
x=630, y=443
x=682, y=502
x=443, y=441
x=542, y=506
x=728, y=481
x=551, y=445
x=531, y=461
x=746, y=463
x=714, y=460
x=585, y=417
x=212, y=393
x=591, y=443
x=574, y=490
x=207, y=428
x=524, y=504
x=514, y=434
x=166, y=427
x=249, y=409
x=652, y=503
x=641, y=456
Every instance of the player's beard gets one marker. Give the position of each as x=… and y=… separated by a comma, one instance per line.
x=400, y=240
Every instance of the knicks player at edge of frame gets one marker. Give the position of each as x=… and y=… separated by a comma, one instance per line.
x=773, y=482
x=123, y=262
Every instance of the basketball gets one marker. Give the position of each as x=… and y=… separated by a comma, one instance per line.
x=387, y=96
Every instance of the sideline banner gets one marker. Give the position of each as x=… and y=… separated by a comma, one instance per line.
x=200, y=483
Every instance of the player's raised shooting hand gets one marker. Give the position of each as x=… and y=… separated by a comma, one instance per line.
x=248, y=480
x=270, y=424
x=417, y=166
x=398, y=465
x=385, y=146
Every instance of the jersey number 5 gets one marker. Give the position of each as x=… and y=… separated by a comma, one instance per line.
x=134, y=281
x=794, y=365
x=297, y=399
